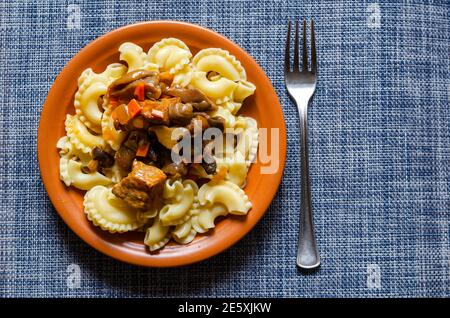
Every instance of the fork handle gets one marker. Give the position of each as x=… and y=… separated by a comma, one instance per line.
x=307, y=253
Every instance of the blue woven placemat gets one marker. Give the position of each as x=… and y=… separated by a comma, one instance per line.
x=379, y=146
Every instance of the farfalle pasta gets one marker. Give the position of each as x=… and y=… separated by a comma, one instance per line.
x=132, y=143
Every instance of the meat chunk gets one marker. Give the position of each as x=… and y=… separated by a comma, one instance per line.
x=142, y=188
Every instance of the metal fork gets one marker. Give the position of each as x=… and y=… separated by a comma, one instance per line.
x=301, y=85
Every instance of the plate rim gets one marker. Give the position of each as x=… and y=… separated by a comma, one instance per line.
x=171, y=261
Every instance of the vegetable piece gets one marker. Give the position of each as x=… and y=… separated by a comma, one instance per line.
x=134, y=139
x=134, y=108
x=104, y=159
x=125, y=87
x=120, y=114
x=152, y=153
x=131, y=77
x=124, y=157
x=198, y=123
x=209, y=163
x=143, y=149
x=193, y=96
x=210, y=167
x=202, y=120
x=180, y=114
x=138, y=123
x=123, y=113
x=139, y=91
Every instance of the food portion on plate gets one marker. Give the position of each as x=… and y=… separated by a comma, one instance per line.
x=157, y=143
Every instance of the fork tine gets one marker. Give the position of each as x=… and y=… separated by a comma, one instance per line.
x=287, y=67
x=296, y=47
x=305, y=50
x=313, y=49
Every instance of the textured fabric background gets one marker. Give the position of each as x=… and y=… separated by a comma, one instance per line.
x=379, y=143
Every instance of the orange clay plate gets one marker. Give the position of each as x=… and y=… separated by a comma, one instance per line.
x=261, y=188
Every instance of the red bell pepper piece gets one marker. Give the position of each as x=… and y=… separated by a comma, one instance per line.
x=143, y=149
x=139, y=92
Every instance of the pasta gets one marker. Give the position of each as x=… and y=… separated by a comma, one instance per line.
x=228, y=86
x=184, y=76
x=91, y=87
x=220, y=90
x=225, y=113
x=184, y=233
x=80, y=137
x=247, y=143
x=181, y=196
x=219, y=61
x=135, y=57
x=204, y=220
x=232, y=107
x=110, y=134
x=128, y=121
x=243, y=90
x=68, y=151
x=157, y=235
x=71, y=174
x=170, y=55
x=226, y=193
x=108, y=212
x=236, y=168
